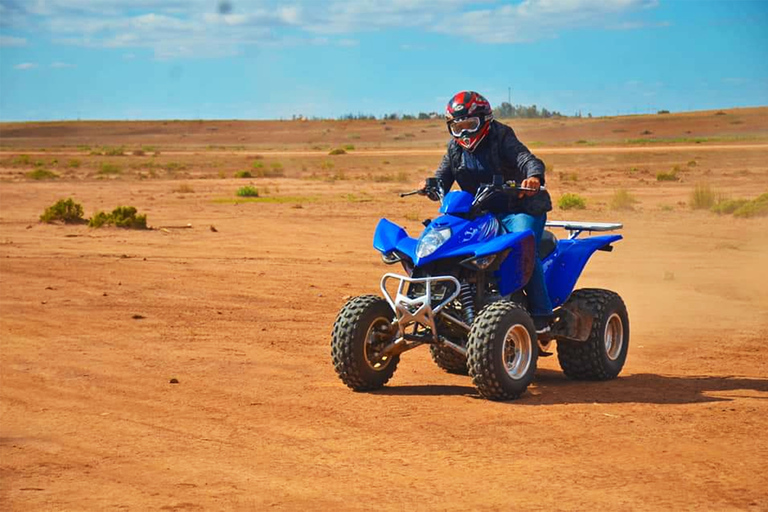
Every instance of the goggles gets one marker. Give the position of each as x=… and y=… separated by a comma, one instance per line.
x=459, y=127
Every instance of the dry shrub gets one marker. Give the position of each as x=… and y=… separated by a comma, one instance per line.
x=571, y=202
x=623, y=200
x=64, y=210
x=703, y=197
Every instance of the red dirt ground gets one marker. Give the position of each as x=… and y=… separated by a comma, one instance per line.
x=242, y=317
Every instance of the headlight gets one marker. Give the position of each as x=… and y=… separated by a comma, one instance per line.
x=432, y=241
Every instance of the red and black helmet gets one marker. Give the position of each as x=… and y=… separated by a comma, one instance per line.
x=469, y=117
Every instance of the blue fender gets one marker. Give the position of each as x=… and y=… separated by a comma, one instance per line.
x=563, y=267
x=517, y=267
x=457, y=201
x=390, y=237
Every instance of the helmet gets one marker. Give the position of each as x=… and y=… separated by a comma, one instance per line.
x=469, y=117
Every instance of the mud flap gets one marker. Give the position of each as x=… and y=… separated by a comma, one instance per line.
x=573, y=323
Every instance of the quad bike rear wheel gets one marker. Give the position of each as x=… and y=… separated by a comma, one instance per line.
x=602, y=355
x=362, y=329
x=449, y=360
x=502, y=351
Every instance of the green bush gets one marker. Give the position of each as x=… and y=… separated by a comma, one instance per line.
x=120, y=217
x=248, y=191
x=623, y=200
x=756, y=208
x=64, y=210
x=703, y=197
x=668, y=176
x=42, y=174
x=243, y=174
x=109, y=168
x=73, y=164
x=728, y=206
x=571, y=202
x=349, y=147
x=22, y=160
x=337, y=151
x=118, y=151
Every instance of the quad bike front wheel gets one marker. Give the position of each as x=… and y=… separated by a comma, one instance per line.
x=502, y=351
x=602, y=355
x=362, y=329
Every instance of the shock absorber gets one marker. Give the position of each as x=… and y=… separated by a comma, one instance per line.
x=467, y=297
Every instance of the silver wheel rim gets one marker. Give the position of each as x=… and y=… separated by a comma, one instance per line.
x=614, y=337
x=517, y=351
x=376, y=338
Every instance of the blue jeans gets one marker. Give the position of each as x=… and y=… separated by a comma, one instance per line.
x=536, y=289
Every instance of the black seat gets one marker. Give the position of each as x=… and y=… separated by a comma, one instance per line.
x=547, y=244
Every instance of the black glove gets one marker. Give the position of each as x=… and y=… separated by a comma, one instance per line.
x=432, y=194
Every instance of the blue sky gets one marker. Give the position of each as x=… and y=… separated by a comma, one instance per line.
x=225, y=59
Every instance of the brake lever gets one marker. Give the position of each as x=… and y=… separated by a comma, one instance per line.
x=412, y=193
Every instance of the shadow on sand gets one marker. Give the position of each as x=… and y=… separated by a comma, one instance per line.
x=552, y=387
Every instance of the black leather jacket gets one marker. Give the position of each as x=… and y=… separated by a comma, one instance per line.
x=499, y=153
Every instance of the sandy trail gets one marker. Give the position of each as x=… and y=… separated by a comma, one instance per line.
x=242, y=316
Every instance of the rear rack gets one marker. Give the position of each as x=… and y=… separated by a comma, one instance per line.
x=576, y=227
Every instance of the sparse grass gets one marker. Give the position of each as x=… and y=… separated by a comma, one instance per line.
x=244, y=174
x=401, y=177
x=337, y=151
x=184, y=188
x=22, y=160
x=42, y=174
x=74, y=163
x=703, y=197
x=113, y=151
x=623, y=200
x=357, y=198
x=248, y=191
x=175, y=166
x=121, y=217
x=349, y=147
x=582, y=141
x=571, y=202
x=728, y=206
x=668, y=176
x=64, y=210
x=109, y=168
x=138, y=152
x=568, y=176
x=327, y=165
x=692, y=163
x=666, y=208
x=743, y=208
x=257, y=165
x=413, y=216
x=275, y=171
x=269, y=199
x=758, y=207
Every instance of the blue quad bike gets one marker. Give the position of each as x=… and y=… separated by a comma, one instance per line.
x=463, y=296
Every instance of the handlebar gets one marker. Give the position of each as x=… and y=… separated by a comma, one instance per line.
x=433, y=189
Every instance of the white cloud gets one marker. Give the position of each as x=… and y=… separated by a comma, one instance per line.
x=174, y=28
x=12, y=41
x=25, y=66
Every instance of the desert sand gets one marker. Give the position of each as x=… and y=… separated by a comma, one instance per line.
x=95, y=323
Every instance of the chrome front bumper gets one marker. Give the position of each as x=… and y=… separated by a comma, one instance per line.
x=412, y=311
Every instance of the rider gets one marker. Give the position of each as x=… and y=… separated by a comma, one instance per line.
x=482, y=147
